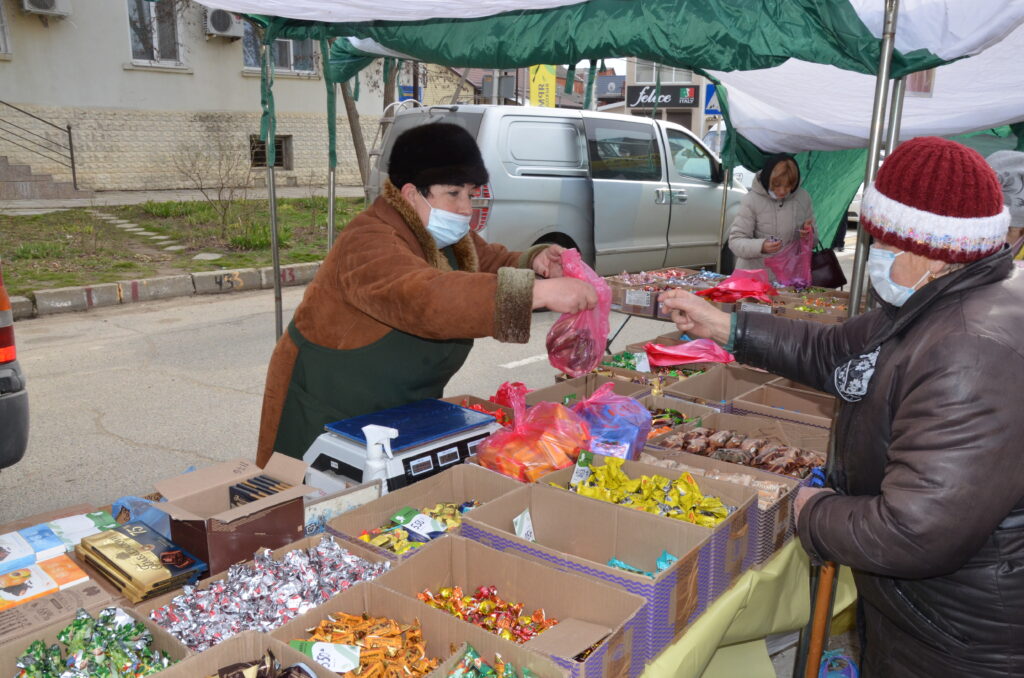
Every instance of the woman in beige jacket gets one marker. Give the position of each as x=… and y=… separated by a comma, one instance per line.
x=773, y=214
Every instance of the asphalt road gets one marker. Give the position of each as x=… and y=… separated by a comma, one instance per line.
x=122, y=397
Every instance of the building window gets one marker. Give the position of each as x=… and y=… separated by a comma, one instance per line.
x=647, y=71
x=5, y=46
x=290, y=56
x=154, y=31
x=282, y=151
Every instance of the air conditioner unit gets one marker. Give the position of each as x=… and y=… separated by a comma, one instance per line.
x=47, y=7
x=224, y=24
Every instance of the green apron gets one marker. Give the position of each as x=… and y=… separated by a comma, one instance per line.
x=332, y=384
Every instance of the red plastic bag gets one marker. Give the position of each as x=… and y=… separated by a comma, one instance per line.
x=696, y=351
x=576, y=341
x=503, y=396
x=741, y=284
x=792, y=264
x=545, y=438
x=618, y=424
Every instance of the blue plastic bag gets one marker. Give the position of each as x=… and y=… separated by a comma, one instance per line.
x=618, y=425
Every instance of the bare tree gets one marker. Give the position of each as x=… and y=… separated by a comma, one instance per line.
x=219, y=170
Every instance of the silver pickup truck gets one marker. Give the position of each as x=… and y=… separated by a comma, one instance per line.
x=631, y=193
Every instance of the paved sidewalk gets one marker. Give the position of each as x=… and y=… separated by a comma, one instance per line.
x=102, y=198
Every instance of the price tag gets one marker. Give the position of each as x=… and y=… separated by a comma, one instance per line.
x=523, y=525
x=332, y=656
x=610, y=449
x=581, y=471
x=755, y=308
x=424, y=525
x=638, y=298
x=642, y=363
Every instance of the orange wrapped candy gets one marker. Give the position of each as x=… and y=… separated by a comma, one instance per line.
x=546, y=438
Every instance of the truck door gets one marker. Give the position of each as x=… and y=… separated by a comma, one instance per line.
x=631, y=200
x=696, y=195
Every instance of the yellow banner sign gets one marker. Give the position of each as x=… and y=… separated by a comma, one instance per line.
x=543, y=85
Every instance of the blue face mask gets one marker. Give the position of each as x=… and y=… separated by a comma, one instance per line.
x=446, y=227
x=880, y=272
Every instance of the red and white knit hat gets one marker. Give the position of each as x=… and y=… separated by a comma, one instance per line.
x=939, y=199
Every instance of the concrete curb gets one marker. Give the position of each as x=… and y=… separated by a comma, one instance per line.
x=67, y=299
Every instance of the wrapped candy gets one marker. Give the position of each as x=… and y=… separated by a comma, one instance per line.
x=664, y=562
x=264, y=595
x=384, y=646
x=397, y=540
x=680, y=499
x=576, y=341
x=488, y=610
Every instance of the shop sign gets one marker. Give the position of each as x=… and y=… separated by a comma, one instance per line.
x=671, y=96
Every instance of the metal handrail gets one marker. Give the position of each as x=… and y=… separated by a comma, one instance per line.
x=68, y=152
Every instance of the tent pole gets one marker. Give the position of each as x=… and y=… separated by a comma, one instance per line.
x=874, y=146
x=721, y=231
x=330, y=208
x=272, y=198
x=895, y=116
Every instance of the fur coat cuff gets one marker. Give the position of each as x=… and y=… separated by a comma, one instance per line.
x=513, y=308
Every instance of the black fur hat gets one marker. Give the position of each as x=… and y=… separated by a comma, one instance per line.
x=438, y=153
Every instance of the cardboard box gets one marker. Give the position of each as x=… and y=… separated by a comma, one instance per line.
x=204, y=523
x=147, y=606
x=465, y=482
x=580, y=388
x=588, y=612
x=245, y=647
x=731, y=554
x=782, y=382
x=788, y=432
x=582, y=536
x=773, y=524
x=11, y=650
x=684, y=407
x=321, y=510
x=473, y=400
x=26, y=619
x=639, y=300
x=802, y=407
x=717, y=388
x=441, y=631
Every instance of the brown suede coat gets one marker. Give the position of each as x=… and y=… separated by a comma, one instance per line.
x=385, y=272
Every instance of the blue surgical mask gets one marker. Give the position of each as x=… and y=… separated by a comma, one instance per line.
x=880, y=272
x=446, y=227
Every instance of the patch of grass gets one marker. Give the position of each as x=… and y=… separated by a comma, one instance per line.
x=71, y=247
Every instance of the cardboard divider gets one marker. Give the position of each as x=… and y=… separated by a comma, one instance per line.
x=147, y=606
x=444, y=635
x=461, y=483
x=802, y=407
x=789, y=384
x=684, y=407
x=717, y=388
x=487, y=404
x=731, y=552
x=204, y=523
x=773, y=524
x=580, y=536
x=11, y=650
x=245, y=647
x=669, y=339
x=571, y=390
x=589, y=613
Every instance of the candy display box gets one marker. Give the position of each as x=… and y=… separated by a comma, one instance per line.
x=571, y=390
x=716, y=388
x=773, y=525
x=11, y=650
x=465, y=482
x=802, y=407
x=204, y=523
x=25, y=620
x=245, y=647
x=573, y=534
x=441, y=631
x=731, y=553
x=589, y=613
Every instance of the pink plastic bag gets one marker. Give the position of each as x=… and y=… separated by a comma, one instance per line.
x=743, y=283
x=696, y=351
x=576, y=341
x=792, y=264
x=543, y=439
x=618, y=424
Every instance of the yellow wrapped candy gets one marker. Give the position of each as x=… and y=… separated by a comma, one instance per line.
x=680, y=499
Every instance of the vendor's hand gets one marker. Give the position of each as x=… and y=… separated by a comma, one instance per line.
x=696, y=317
x=771, y=246
x=548, y=264
x=802, y=495
x=807, y=227
x=564, y=295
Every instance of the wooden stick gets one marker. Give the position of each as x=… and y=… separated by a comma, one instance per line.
x=822, y=610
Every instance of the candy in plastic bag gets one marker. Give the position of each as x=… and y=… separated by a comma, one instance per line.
x=576, y=341
x=618, y=424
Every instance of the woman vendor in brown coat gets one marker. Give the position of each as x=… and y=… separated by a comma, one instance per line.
x=392, y=313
